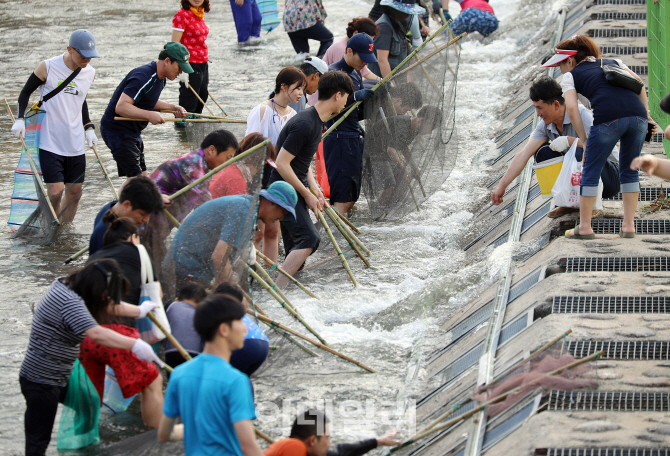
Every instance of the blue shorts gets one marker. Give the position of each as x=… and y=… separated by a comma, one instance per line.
x=250, y=357
x=475, y=20
x=343, y=156
x=128, y=152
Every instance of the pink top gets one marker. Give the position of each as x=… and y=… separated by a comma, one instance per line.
x=479, y=4
x=195, y=33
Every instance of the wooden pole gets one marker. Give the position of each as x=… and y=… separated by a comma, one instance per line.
x=34, y=167
x=274, y=324
x=352, y=243
x=260, y=434
x=353, y=236
x=286, y=274
x=345, y=220
x=196, y=114
x=133, y=119
x=169, y=337
x=284, y=304
x=168, y=368
x=337, y=248
x=76, y=255
x=274, y=286
x=104, y=171
x=199, y=99
x=212, y=98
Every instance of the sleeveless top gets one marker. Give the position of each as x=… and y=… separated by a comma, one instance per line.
x=270, y=124
x=62, y=131
x=398, y=50
x=477, y=4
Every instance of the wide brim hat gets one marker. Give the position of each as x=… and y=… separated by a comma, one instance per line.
x=559, y=56
x=282, y=194
x=404, y=6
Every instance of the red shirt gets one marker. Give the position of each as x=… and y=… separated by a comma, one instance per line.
x=228, y=181
x=195, y=33
x=479, y=4
x=287, y=447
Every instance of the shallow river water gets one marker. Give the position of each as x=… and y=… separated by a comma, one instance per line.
x=419, y=275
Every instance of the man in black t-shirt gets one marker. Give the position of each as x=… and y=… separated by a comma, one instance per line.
x=297, y=143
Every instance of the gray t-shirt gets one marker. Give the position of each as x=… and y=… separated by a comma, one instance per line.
x=550, y=132
x=180, y=315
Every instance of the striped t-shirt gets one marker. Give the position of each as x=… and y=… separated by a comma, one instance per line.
x=58, y=327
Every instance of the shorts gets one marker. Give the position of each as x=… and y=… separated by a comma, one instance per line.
x=133, y=374
x=250, y=357
x=299, y=232
x=128, y=152
x=474, y=20
x=343, y=155
x=60, y=168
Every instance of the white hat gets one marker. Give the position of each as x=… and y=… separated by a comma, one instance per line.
x=561, y=54
x=320, y=65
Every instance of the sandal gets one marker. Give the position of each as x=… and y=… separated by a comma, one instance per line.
x=576, y=234
x=625, y=235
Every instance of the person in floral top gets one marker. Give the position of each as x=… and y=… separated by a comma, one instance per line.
x=189, y=29
x=175, y=174
x=303, y=21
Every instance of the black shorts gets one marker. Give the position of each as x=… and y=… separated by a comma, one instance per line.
x=299, y=233
x=343, y=156
x=128, y=152
x=59, y=168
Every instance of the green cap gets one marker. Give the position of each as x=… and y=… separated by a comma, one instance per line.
x=179, y=54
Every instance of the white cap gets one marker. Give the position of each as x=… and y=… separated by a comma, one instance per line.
x=317, y=63
x=561, y=54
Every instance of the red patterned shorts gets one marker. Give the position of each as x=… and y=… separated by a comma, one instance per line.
x=133, y=375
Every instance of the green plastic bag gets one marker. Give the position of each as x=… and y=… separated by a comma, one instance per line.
x=81, y=412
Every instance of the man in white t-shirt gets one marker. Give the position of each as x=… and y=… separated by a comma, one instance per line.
x=552, y=137
x=66, y=127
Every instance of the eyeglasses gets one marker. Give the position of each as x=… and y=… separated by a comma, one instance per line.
x=104, y=270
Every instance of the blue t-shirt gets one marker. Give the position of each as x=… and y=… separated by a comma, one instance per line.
x=221, y=219
x=99, y=228
x=210, y=396
x=144, y=87
x=350, y=123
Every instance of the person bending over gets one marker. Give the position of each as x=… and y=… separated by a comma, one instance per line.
x=212, y=398
x=313, y=68
x=552, y=138
x=180, y=315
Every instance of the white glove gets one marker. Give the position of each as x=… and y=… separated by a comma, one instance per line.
x=91, y=139
x=252, y=255
x=560, y=144
x=183, y=77
x=144, y=352
x=146, y=307
x=19, y=128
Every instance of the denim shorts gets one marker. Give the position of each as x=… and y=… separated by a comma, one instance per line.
x=602, y=139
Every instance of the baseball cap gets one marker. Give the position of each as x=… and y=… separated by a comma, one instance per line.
x=84, y=42
x=561, y=54
x=320, y=65
x=363, y=45
x=179, y=54
x=282, y=194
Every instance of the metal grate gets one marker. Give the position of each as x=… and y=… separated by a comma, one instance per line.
x=524, y=115
x=509, y=113
x=490, y=230
x=646, y=194
x=602, y=452
x=621, y=2
x=611, y=304
x=509, y=190
x=511, y=143
x=512, y=329
x=620, y=17
x=502, y=430
x=614, y=401
x=622, y=349
x=572, y=30
x=525, y=284
x=535, y=217
x=642, y=226
x=657, y=138
x=500, y=240
x=495, y=180
x=618, y=264
x=639, y=69
x=616, y=33
x=624, y=50
x=540, y=243
x=574, y=15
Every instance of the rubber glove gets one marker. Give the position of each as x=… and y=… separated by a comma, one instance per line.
x=19, y=128
x=363, y=95
x=560, y=144
x=252, y=256
x=144, y=352
x=183, y=77
x=91, y=139
x=146, y=307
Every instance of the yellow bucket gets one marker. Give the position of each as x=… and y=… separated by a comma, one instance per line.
x=547, y=172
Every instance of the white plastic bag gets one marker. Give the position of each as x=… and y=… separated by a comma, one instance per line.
x=151, y=291
x=566, y=188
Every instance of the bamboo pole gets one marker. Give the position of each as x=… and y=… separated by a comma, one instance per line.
x=34, y=167
x=169, y=337
x=171, y=217
x=426, y=432
x=260, y=434
x=104, y=171
x=76, y=255
x=215, y=102
x=168, y=368
x=134, y=119
x=196, y=114
x=286, y=274
x=274, y=286
x=248, y=298
x=345, y=220
x=352, y=235
x=274, y=324
x=284, y=304
x=288, y=337
x=199, y=99
x=337, y=248
x=349, y=239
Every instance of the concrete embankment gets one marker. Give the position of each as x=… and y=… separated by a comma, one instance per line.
x=613, y=294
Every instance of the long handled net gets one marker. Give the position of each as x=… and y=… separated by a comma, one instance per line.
x=411, y=143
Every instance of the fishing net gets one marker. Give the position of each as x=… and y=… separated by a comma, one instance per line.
x=411, y=143
x=190, y=257
x=81, y=412
x=537, y=372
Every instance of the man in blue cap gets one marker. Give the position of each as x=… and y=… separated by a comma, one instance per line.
x=343, y=148
x=66, y=127
x=138, y=96
x=216, y=233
